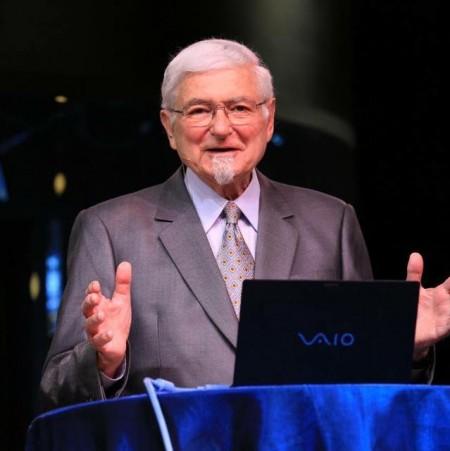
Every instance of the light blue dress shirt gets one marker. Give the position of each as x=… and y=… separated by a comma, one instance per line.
x=209, y=206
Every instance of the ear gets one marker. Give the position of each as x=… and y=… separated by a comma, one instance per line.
x=164, y=115
x=271, y=118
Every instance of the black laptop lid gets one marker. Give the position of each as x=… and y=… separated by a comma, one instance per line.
x=293, y=332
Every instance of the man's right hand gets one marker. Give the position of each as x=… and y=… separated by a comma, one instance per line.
x=108, y=321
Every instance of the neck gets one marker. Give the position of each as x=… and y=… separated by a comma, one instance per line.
x=232, y=190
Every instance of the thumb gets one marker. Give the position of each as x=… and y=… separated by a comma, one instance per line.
x=123, y=279
x=414, y=268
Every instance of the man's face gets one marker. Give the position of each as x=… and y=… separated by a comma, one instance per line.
x=200, y=147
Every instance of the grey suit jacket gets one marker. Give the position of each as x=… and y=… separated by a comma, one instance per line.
x=183, y=326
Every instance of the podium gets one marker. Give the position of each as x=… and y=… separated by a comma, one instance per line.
x=297, y=417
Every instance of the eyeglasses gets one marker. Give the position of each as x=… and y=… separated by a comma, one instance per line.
x=240, y=112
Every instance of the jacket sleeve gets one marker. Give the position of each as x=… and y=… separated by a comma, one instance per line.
x=70, y=372
x=355, y=261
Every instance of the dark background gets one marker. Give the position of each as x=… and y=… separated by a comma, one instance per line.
x=373, y=67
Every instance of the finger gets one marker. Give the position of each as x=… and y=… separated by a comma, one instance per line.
x=91, y=301
x=446, y=285
x=414, y=269
x=123, y=279
x=93, y=287
x=101, y=339
x=93, y=323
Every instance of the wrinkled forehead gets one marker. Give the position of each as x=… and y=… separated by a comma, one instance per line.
x=219, y=85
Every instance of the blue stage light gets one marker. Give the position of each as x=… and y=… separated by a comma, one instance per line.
x=3, y=189
x=277, y=140
x=53, y=288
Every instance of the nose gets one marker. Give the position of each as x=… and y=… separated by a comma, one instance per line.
x=220, y=124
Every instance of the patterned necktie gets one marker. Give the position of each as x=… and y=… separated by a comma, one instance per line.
x=234, y=258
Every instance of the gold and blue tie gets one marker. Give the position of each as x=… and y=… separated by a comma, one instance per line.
x=234, y=258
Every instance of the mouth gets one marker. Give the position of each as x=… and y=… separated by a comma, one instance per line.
x=222, y=150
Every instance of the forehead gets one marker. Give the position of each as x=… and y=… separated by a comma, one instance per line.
x=220, y=85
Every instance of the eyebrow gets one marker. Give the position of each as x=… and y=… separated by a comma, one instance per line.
x=198, y=101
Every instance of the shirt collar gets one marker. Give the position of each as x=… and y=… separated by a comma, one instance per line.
x=209, y=204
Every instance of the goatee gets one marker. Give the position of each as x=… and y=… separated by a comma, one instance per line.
x=223, y=169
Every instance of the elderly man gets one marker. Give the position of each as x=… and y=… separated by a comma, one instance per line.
x=193, y=239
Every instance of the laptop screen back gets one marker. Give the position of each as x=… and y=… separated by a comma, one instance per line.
x=294, y=332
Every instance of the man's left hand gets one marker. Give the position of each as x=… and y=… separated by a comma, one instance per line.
x=433, y=313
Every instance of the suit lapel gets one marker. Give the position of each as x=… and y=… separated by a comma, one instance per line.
x=185, y=241
x=277, y=236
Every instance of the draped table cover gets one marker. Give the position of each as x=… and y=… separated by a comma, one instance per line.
x=297, y=417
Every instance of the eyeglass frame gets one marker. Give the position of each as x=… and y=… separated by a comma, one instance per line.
x=214, y=110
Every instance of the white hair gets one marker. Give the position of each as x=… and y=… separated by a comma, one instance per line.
x=211, y=54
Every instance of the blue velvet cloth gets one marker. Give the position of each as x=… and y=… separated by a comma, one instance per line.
x=303, y=417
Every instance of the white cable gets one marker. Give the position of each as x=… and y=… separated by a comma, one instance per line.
x=159, y=414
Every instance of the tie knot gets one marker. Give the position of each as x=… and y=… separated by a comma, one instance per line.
x=232, y=213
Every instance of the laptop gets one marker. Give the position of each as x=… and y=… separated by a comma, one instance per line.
x=318, y=332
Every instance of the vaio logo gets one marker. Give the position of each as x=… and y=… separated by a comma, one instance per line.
x=345, y=339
